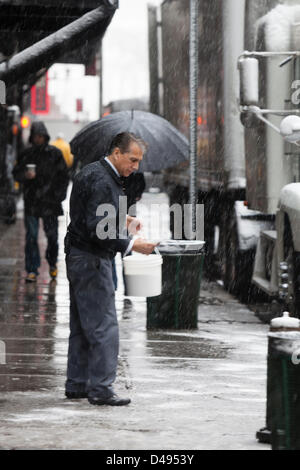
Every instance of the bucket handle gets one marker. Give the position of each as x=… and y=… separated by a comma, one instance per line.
x=156, y=250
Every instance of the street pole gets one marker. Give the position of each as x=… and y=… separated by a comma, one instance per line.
x=193, y=108
x=153, y=59
x=100, y=82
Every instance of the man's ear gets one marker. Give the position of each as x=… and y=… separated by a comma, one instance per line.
x=116, y=153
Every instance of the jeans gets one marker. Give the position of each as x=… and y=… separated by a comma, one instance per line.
x=32, y=252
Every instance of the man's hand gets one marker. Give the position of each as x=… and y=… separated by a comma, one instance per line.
x=30, y=174
x=134, y=225
x=143, y=246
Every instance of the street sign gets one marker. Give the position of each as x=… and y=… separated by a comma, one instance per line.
x=40, y=102
x=79, y=105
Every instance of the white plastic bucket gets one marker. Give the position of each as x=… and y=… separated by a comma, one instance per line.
x=143, y=275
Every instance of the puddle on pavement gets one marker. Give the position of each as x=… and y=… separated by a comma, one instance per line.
x=29, y=314
x=197, y=350
x=179, y=345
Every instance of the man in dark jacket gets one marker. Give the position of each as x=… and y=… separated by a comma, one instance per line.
x=134, y=186
x=44, y=189
x=94, y=336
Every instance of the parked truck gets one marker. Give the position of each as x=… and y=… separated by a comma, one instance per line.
x=248, y=174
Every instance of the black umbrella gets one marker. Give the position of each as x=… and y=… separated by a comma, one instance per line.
x=167, y=146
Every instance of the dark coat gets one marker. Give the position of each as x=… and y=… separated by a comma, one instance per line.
x=134, y=186
x=43, y=194
x=94, y=185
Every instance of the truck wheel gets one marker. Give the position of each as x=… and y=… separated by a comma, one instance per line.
x=292, y=259
x=230, y=261
x=238, y=266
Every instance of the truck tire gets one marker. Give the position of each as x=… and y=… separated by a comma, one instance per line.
x=292, y=258
x=238, y=266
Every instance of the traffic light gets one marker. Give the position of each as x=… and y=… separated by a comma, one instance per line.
x=25, y=122
x=15, y=129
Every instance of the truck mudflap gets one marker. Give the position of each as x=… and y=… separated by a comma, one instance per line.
x=289, y=203
x=250, y=223
x=240, y=239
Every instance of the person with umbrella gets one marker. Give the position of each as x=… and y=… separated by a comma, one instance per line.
x=167, y=146
x=94, y=337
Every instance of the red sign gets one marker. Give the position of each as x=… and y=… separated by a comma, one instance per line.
x=40, y=102
x=79, y=105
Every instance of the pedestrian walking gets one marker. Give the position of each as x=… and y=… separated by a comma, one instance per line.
x=43, y=173
x=94, y=335
x=65, y=149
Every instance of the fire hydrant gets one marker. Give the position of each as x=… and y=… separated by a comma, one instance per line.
x=282, y=429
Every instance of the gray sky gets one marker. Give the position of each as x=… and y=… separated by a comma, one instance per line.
x=125, y=52
x=125, y=64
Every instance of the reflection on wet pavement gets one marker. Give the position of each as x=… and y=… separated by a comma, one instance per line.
x=34, y=323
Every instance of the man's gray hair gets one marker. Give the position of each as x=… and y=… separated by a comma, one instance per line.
x=123, y=141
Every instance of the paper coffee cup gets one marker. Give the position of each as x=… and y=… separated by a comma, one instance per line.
x=31, y=167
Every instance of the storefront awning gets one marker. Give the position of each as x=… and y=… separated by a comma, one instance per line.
x=49, y=50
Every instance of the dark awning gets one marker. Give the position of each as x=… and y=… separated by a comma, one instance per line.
x=49, y=50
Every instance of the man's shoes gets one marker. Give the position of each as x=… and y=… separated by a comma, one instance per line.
x=75, y=395
x=114, y=400
x=31, y=277
x=53, y=272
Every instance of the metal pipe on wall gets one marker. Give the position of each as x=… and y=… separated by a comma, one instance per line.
x=233, y=46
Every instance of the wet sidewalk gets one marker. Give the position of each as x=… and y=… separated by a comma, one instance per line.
x=200, y=389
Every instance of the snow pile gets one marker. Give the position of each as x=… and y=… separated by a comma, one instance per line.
x=282, y=28
x=290, y=197
x=290, y=128
x=286, y=342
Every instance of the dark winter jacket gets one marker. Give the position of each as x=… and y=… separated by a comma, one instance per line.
x=96, y=184
x=43, y=194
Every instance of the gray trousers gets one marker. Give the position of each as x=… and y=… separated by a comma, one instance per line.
x=94, y=332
